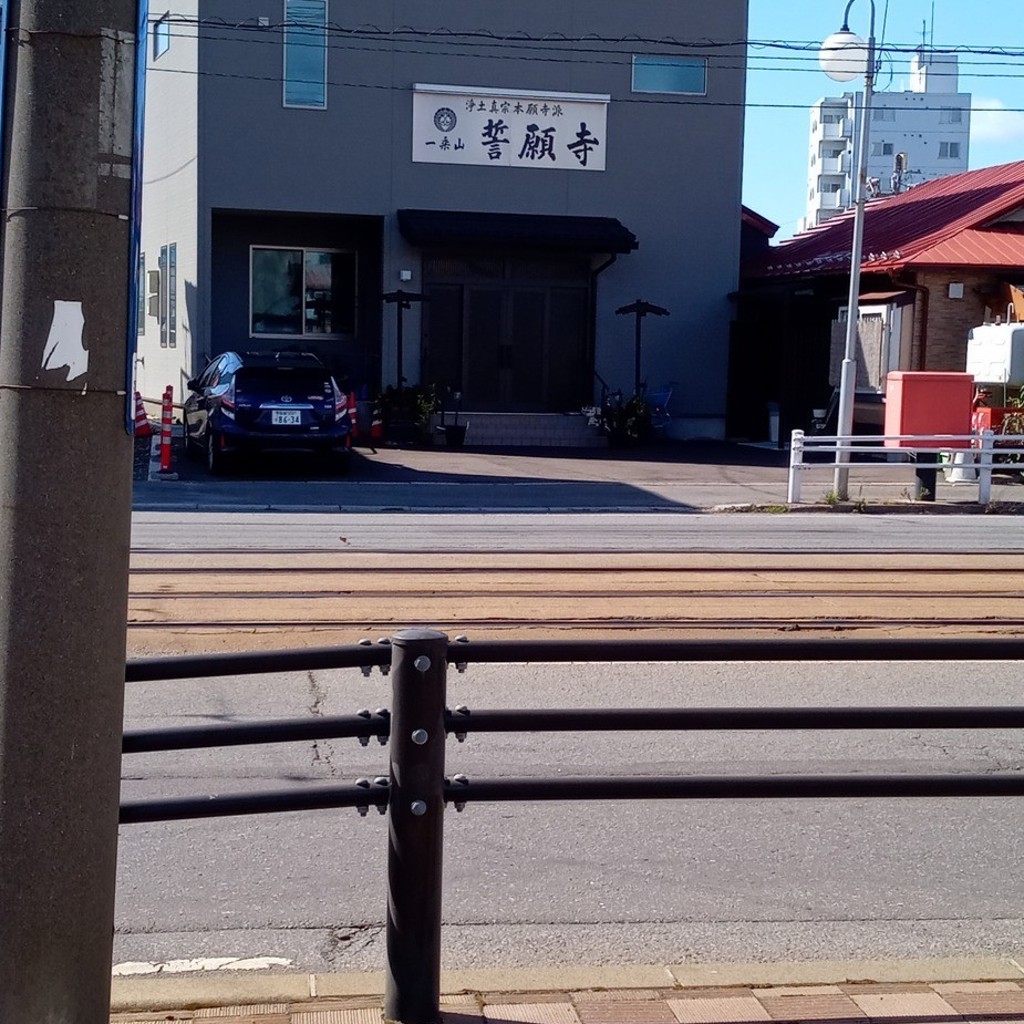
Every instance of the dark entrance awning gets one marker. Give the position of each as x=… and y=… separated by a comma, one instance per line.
x=461, y=229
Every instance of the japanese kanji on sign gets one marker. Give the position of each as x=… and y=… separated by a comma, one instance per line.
x=461, y=125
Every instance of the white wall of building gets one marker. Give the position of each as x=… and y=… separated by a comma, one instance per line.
x=929, y=123
x=170, y=201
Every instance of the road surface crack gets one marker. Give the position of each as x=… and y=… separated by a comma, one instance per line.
x=341, y=943
x=322, y=754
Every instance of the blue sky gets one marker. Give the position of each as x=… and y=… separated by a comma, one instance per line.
x=775, y=163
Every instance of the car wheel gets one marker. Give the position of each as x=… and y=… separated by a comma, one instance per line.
x=216, y=460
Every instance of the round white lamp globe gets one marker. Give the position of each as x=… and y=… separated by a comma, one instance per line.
x=843, y=56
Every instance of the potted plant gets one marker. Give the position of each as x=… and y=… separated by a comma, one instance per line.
x=626, y=421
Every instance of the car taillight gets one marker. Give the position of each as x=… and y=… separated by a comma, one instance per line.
x=227, y=401
x=340, y=402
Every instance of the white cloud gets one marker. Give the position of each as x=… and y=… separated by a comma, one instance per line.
x=992, y=122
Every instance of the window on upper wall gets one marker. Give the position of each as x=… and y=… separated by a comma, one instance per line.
x=951, y=115
x=140, y=295
x=305, y=54
x=302, y=292
x=949, y=150
x=169, y=295
x=883, y=114
x=680, y=75
x=161, y=36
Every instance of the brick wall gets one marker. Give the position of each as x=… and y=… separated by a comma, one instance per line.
x=950, y=320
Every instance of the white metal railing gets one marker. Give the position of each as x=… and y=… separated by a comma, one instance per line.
x=983, y=445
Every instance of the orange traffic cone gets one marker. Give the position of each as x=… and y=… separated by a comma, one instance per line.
x=142, y=424
x=353, y=417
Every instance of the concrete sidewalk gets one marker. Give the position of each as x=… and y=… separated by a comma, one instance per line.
x=933, y=991
x=682, y=477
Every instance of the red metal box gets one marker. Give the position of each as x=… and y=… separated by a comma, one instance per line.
x=923, y=402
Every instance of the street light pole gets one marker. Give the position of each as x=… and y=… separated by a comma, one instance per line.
x=843, y=58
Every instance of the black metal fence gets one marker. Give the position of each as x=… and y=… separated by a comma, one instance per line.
x=416, y=790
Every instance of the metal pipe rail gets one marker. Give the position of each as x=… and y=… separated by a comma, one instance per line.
x=415, y=791
x=208, y=666
x=466, y=721
x=135, y=812
x=733, y=787
x=922, y=444
x=551, y=652
x=360, y=726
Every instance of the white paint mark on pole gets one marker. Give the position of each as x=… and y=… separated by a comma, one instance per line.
x=65, y=343
x=195, y=965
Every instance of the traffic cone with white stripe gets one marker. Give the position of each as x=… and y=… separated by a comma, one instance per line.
x=377, y=424
x=143, y=428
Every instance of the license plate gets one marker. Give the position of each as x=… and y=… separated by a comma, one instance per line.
x=286, y=417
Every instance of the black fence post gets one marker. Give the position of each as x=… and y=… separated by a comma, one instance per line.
x=412, y=994
x=926, y=476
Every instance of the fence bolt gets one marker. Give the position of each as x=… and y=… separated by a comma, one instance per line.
x=363, y=809
x=382, y=780
x=385, y=640
x=460, y=666
x=419, y=737
x=415, y=828
x=386, y=715
x=367, y=670
x=366, y=642
x=364, y=741
x=461, y=709
x=460, y=780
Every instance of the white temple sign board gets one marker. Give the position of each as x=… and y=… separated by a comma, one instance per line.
x=509, y=128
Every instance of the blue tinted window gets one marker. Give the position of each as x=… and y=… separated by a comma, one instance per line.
x=670, y=74
x=161, y=37
x=305, y=53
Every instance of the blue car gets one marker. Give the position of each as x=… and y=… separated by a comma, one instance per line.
x=266, y=401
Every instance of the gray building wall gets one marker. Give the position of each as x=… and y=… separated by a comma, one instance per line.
x=672, y=176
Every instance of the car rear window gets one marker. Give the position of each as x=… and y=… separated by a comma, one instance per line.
x=264, y=378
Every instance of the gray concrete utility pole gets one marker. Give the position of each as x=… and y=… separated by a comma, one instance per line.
x=65, y=499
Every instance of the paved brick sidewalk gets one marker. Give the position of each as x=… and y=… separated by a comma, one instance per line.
x=976, y=1002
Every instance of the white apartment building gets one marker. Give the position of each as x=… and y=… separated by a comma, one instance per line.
x=915, y=136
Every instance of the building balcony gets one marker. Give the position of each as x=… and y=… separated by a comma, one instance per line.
x=842, y=130
x=834, y=200
x=835, y=164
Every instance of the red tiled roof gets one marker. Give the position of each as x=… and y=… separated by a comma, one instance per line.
x=940, y=223
x=755, y=220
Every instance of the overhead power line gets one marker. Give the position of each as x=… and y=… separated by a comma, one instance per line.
x=578, y=43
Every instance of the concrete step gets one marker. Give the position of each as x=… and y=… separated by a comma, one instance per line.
x=524, y=429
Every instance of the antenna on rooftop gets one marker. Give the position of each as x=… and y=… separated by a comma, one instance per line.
x=933, y=25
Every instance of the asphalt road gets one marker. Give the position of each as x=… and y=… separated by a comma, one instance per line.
x=609, y=531
x=588, y=883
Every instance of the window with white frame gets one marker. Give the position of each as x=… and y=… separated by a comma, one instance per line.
x=295, y=292
x=161, y=36
x=883, y=114
x=951, y=115
x=686, y=76
x=305, y=54
x=949, y=150
x=881, y=149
